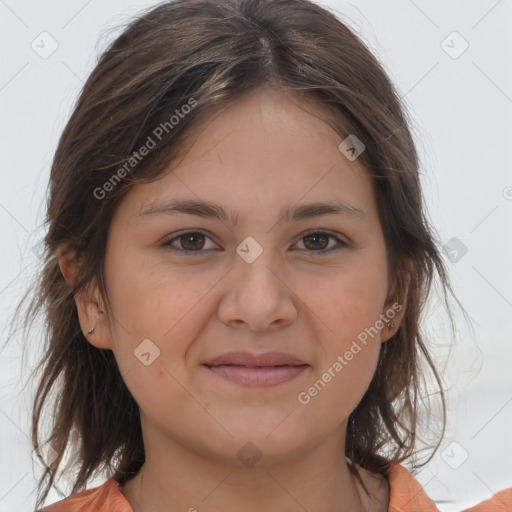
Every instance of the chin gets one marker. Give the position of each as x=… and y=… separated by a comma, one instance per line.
x=275, y=444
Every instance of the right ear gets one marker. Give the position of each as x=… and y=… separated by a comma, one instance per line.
x=91, y=312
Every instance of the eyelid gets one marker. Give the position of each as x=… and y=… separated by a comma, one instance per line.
x=341, y=242
x=179, y=234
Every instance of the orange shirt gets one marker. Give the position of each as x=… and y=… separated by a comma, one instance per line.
x=406, y=495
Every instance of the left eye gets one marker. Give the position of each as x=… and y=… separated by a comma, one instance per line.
x=322, y=238
x=194, y=242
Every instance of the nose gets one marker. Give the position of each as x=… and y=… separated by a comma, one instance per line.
x=257, y=296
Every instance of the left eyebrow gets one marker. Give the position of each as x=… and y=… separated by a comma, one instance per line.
x=207, y=209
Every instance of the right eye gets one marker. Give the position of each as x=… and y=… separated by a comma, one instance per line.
x=190, y=241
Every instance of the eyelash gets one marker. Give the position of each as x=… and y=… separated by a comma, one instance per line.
x=321, y=252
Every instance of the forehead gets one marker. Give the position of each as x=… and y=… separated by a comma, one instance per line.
x=265, y=149
x=276, y=121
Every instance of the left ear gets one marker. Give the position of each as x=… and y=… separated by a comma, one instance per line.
x=394, y=312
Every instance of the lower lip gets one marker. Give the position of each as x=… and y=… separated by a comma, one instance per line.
x=262, y=376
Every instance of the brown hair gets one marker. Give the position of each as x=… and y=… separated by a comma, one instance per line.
x=209, y=52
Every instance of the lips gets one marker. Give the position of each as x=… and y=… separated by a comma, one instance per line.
x=249, y=359
x=256, y=370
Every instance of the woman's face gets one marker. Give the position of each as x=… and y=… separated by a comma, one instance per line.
x=255, y=281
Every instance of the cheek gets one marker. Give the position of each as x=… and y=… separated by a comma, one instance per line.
x=150, y=301
x=346, y=305
x=162, y=305
x=345, y=301
x=336, y=390
x=152, y=297
x=349, y=346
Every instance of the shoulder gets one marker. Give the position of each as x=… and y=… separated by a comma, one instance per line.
x=406, y=493
x=397, y=491
x=104, y=498
x=499, y=502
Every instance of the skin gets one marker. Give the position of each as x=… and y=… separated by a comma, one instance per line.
x=265, y=151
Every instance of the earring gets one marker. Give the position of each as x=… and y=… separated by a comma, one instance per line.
x=90, y=330
x=391, y=325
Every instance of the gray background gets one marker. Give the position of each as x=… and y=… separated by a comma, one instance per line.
x=461, y=106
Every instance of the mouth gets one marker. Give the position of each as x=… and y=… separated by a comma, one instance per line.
x=257, y=376
x=256, y=370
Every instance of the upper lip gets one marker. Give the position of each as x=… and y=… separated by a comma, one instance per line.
x=249, y=359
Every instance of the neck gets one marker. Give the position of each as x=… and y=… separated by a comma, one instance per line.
x=178, y=478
